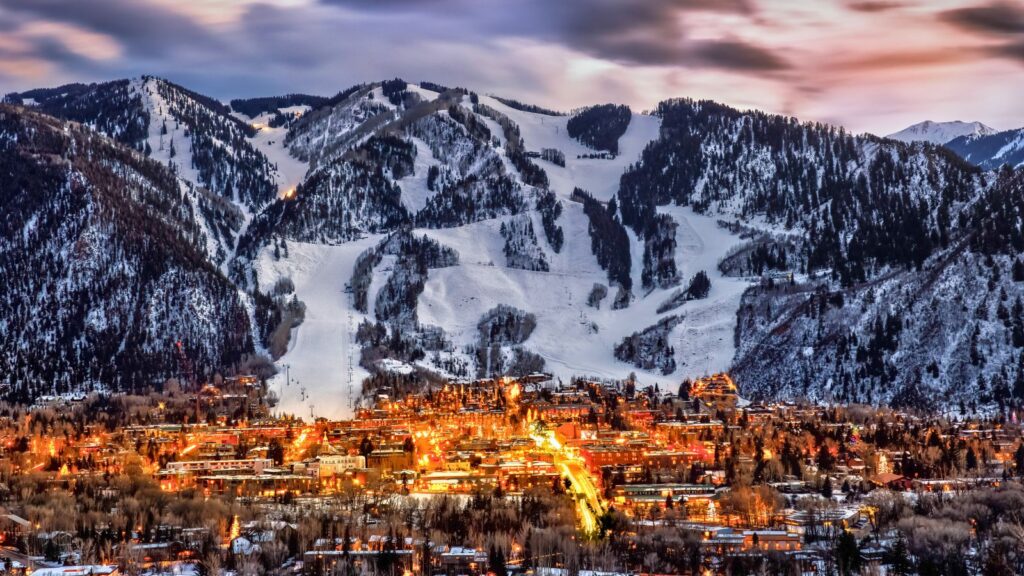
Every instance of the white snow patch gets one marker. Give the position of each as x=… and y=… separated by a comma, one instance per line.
x=455, y=298
x=426, y=95
x=704, y=339
x=599, y=177
x=323, y=359
x=290, y=171
x=415, y=193
x=941, y=132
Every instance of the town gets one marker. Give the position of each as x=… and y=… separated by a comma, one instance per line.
x=504, y=476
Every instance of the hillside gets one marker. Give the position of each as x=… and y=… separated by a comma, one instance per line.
x=105, y=267
x=404, y=231
x=941, y=132
x=992, y=151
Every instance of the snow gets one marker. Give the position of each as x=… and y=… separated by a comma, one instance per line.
x=455, y=298
x=574, y=339
x=395, y=366
x=941, y=132
x=159, y=114
x=160, y=145
x=270, y=141
x=426, y=95
x=415, y=193
x=705, y=336
x=1012, y=146
x=597, y=176
x=323, y=360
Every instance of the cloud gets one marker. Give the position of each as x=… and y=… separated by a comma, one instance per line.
x=1013, y=51
x=850, y=60
x=632, y=32
x=874, y=6
x=915, y=59
x=145, y=29
x=740, y=56
x=998, y=18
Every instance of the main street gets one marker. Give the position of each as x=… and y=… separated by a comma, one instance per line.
x=589, y=503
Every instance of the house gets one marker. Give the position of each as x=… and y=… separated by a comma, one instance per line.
x=13, y=528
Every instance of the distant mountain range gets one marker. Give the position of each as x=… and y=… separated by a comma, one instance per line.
x=973, y=141
x=992, y=151
x=397, y=231
x=941, y=132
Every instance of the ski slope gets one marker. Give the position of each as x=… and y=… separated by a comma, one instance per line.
x=319, y=375
x=573, y=338
x=290, y=171
x=704, y=340
x=598, y=176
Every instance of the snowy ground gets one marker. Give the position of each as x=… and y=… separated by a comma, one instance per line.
x=415, y=193
x=325, y=377
x=270, y=141
x=573, y=338
x=159, y=116
x=704, y=340
x=599, y=177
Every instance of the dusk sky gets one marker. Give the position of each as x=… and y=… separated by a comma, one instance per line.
x=870, y=65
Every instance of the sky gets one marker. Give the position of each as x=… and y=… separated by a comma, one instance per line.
x=870, y=65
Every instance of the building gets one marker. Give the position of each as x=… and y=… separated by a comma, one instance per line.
x=337, y=464
x=390, y=460
x=717, y=391
x=642, y=496
x=255, y=465
x=726, y=541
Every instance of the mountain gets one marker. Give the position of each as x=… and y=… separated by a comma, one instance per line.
x=107, y=280
x=397, y=231
x=941, y=132
x=193, y=135
x=992, y=151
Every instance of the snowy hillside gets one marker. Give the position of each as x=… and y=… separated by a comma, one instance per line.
x=107, y=281
x=575, y=338
x=392, y=235
x=993, y=151
x=941, y=132
x=320, y=370
x=574, y=335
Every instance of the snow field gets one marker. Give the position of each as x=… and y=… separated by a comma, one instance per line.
x=325, y=376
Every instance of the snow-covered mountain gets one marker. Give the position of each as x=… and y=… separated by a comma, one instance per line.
x=993, y=151
x=941, y=132
x=398, y=231
x=107, y=282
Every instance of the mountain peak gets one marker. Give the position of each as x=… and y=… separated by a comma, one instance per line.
x=941, y=132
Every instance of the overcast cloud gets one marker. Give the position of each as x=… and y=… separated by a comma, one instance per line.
x=871, y=65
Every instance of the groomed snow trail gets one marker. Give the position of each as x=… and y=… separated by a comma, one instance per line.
x=323, y=359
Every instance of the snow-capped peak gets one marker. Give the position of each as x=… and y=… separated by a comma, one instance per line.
x=941, y=132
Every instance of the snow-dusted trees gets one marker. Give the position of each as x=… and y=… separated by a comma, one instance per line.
x=600, y=127
x=660, y=254
x=501, y=331
x=651, y=348
x=608, y=239
x=550, y=208
x=521, y=248
x=98, y=253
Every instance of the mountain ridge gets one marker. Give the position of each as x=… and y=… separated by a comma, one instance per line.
x=526, y=211
x=941, y=132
